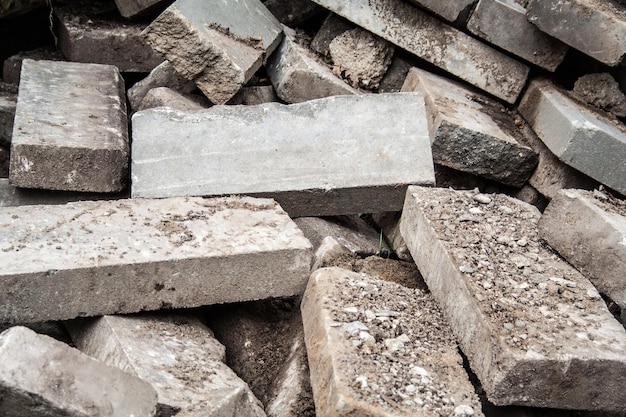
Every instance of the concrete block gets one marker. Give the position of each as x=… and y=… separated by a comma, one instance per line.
x=258, y=94
x=197, y=156
x=166, y=97
x=437, y=43
x=470, y=132
x=599, y=30
x=529, y=194
x=330, y=252
x=396, y=74
x=454, y=11
x=504, y=24
x=535, y=331
x=8, y=101
x=579, y=136
x=602, y=91
x=293, y=13
x=40, y=376
x=136, y=255
x=15, y=7
x=389, y=224
x=12, y=66
x=176, y=354
x=131, y=9
x=298, y=76
x=332, y=27
x=589, y=231
x=361, y=364
x=217, y=45
x=68, y=135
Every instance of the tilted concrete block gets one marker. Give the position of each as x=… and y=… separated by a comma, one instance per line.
x=40, y=376
x=332, y=27
x=438, y=43
x=107, y=257
x=454, y=11
x=535, y=331
x=307, y=156
x=70, y=129
x=579, y=136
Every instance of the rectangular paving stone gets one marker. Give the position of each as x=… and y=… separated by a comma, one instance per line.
x=40, y=376
x=176, y=354
x=107, y=257
x=370, y=354
x=136, y=8
x=219, y=45
x=308, y=156
x=535, y=331
x=454, y=11
x=438, y=43
x=70, y=129
x=471, y=132
x=581, y=137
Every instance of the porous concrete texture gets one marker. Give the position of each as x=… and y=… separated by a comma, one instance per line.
x=504, y=24
x=131, y=9
x=137, y=255
x=40, y=376
x=579, y=136
x=353, y=353
x=601, y=90
x=177, y=355
x=454, y=11
x=8, y=101
x=536, y=332
x=335, y=176
x=297, y=75
x=599, y=29
x=166, y=97
x=470, y=132
x=12, y=66
x=332, y=27
x=577, y=219
x=217, y=45
x=437, y=43
x=258, y=94
x=68, y=135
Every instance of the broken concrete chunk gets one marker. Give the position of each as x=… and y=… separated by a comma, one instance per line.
x=217, y=45
x=137, y=255
x=70, y=130
x=437, y=43
x=354, y=354
x=8, y=101
x=470, y=132
x=197, y=156
x=176, y=354
x=135, y=8
x=582, y=138
x=40, y=376
x=529, y=323
x=12, y=66
x=396, y=74
x=332, y=27
x=454, y=11
x=166, y=97
x=601, y=90
x=504, y=24
x=255, y=95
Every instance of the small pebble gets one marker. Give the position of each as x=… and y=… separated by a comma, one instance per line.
x=505, y=210
x=466, y=269
x=509, y=326
x=522, y=242
x=463, y=411
x=482, y=199
x=475, y=210
x=351, y=310
x=520, y=323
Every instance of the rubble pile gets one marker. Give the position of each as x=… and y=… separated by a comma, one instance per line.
x=313, y=207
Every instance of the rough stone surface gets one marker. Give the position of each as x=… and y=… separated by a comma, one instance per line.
x=12, y=66
x=218, y=45
x=599, y=29
x=589, y=231
x=135, y=8
x=504, y=24
x=293, y=12
x=166, y=97
x=470, y=132
x=332, y=27
x=68, y=135
x=337, y=178
x=377, y=348
x=176, y=354
x=255, y=95
x=601, y=90
x=40, y=376
x=529, y=323
x=389, y=224
x=581, y=137
x=437, y=43
x=297, y=75
x=455, y=11
x=8, y=101
x=137, y=255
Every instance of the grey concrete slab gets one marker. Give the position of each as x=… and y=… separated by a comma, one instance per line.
x=217, y=45
x=437, y=43
x=396, y=74
x=8, y=101
x=307, y=155
x=579, y=136
x=454, y=11
x=529, y=323
x=166, y=97
x=131, y=9
x=471, y=132
x=176, y=354
x=70, y=129
x=40, y=376
x=109, y=257
x=503, y=23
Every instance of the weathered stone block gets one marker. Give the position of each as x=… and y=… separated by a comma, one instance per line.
x=437, y=43
x=332, y=27
x=8, y=101
x=470, y=132
x=68, y=135
x=582, y=138
x=602, y=91
x=454, y=11
x=166, y=97
x=535, y=331
x=134, y=255
x=40, y=376
x=198, y=155
x=135, y=8
x=396, y=74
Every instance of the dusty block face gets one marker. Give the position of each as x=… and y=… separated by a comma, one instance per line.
x=535, y=331
x=135, y=255
x=355, y=352
x=70, y=130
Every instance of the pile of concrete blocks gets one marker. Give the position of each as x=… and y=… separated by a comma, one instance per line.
x=313, y=208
